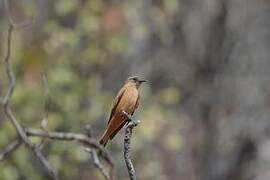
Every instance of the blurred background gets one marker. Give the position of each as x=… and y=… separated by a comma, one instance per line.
x=204, y=113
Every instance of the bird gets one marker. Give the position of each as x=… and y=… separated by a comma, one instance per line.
x=127, y=100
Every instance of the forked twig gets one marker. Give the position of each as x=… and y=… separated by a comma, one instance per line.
x=95, y=158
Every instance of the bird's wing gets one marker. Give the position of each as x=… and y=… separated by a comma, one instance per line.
x=118, y=129
x=116, y=102
x=136, y=105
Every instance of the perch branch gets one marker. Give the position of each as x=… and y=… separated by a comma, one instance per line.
x=128, y=134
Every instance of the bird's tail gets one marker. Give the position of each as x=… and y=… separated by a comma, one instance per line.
x=104, y=139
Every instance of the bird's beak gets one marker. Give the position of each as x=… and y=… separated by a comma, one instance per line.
x=141, y=81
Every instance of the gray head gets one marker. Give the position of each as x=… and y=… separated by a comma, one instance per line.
x=135, y=79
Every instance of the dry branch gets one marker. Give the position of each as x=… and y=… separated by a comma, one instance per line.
x=11, y=116
x=82, y=139
x=94, y=156
x=12, y=146
x=128, y=134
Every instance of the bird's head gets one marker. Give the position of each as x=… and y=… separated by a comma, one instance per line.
x=136, y=80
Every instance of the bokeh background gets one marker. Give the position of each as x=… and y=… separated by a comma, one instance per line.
x=204, y=113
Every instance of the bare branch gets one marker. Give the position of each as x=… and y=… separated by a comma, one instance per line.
x=12, y=83
x=45, y=163
x=11, y=116
x=97, y=163
x=45, y=120
x=94, y=155
x=128, y=134
x=16, y=25
x=9, y=72
x=91, y=143
x=79, y=138
x=46, y=94
x=12, y=146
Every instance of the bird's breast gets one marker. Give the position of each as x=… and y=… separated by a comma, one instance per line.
x=128, y=101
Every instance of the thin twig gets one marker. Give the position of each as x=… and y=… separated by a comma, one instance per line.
x=9, y=72
x=128, y=134
x=12, y=146
x=45, y=120
x=97, y=163
x=11, y=116
x=94, y=155
x=16, y=25
x=47, y=98
x=12, y=83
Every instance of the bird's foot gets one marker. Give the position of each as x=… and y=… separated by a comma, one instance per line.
x=130, y=120
x=135, y=122
x=128, y=116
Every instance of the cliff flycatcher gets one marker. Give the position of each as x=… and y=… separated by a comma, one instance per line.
x=127, y=100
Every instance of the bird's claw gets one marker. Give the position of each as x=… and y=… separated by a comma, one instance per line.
x=136, y=122
x=127, y=115
x=130, y=120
